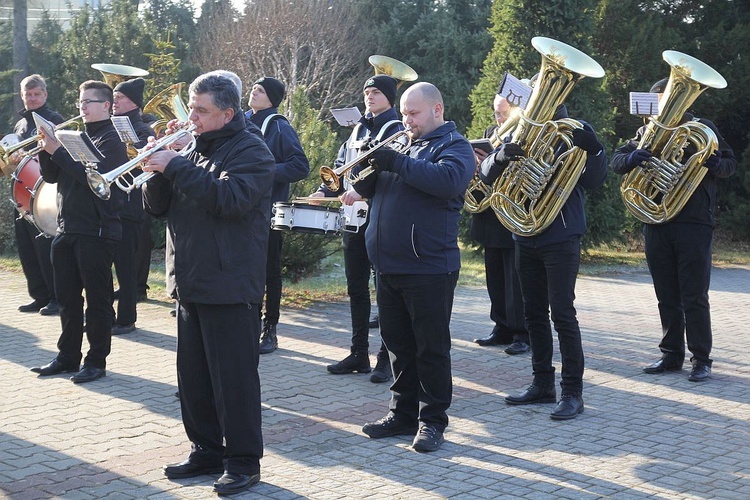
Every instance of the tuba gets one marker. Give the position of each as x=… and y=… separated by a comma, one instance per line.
x=115, y=74
x=385, y=65
x=167, y=105
x=529, y=194
x=658, y=190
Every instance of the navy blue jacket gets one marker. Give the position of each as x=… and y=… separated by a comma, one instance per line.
x=416, y=207
x=699, y=209
x=217, y=203
x=291, y=162
x=80, y=211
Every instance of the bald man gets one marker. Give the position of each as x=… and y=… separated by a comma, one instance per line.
x=412, y=241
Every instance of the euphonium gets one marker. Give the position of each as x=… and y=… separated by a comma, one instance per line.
x=529, y=194
x=658, y=190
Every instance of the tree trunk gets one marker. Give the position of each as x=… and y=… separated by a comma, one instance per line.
x=20, y=47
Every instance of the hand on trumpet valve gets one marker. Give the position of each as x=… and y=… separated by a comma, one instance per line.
x=157, y=162
x=382, y=160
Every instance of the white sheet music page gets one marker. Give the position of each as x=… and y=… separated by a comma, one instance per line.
x=515, y=91
x=80, y=147
x=644, y=103
x=125, y=129
x=347, y=117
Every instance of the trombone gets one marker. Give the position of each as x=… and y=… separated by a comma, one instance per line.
x=331, y=177
x=11, y=143
x=122, y=177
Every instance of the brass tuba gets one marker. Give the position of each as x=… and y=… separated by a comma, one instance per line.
x=658, y=190
x=115, y=74
x=529, y=194
x=167, y=105
x=385, y=65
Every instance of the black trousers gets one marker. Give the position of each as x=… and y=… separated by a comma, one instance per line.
x=357, y=268
x=217, y=374
x=143, y=254
x=415, y=313
x=125, y=270
x=679, y=259
x=548, y=281
x=84, y=263
x=36, y=262
x=504, y=289
x=273, y=278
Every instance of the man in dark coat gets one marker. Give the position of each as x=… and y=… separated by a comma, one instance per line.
x=217, y=203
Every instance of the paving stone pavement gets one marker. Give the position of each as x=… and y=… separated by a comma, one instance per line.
x=641, y=436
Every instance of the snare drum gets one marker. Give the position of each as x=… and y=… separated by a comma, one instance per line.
x=34, y=199
x=303, y=218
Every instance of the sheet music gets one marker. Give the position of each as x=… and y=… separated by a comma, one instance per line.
x=515, y=91
x=43, y=125
x=80, y=147
x=644, y=103
x=347, y=117
x=125, y=129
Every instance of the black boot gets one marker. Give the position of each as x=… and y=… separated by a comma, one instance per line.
x=357, y=361
x=268, y=340
x=382, y=372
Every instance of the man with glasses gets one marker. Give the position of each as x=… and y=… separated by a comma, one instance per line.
x=88, y=232
x=503, y=285
x=219, y=193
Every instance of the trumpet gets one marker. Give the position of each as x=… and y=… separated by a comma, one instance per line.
x=122, y=176
x=12, y=143
x=331, y=177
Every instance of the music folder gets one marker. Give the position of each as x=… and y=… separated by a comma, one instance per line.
x=79, y=146
x=347, y=117
x=483, y=144
x=43, y=125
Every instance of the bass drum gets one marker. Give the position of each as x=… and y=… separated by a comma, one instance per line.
x=35, y=200
x=304, y=218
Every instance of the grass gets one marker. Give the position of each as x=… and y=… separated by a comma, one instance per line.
x=329, y=284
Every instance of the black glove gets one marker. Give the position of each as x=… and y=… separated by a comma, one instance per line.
x=367, y=145
x=586, y=139
x=507, y=153
x=712, y=162
x=637, y=157
x=382, y=159
x=492, y=166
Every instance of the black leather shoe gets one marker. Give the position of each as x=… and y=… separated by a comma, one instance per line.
x=532, y=395
x=664, y=365
x=189, y=469
x=495, y=338
x=51, y=309
x=229, y=483
x=32, y=307
x=570, y=406
x=123, y=329
x=54, y=368
x=700, y=372
x=88, y=374
x=517, y=348
x=389, y=426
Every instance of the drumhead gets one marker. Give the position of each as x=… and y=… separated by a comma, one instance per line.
x=44, y=208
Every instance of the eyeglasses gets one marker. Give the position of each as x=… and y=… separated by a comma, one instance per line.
x=86, y=102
